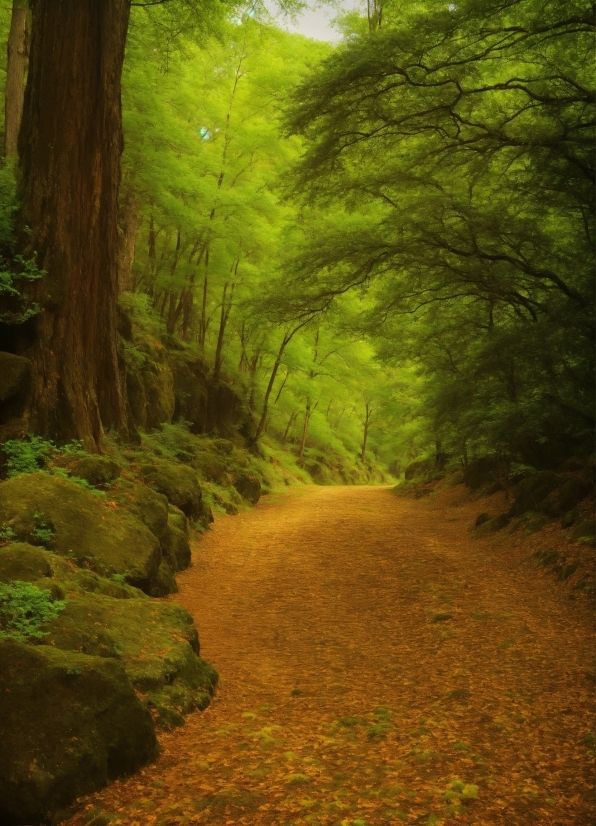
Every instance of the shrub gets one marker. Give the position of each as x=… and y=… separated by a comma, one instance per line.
x=23, y=608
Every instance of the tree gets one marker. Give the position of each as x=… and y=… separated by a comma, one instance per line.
x=16, y=69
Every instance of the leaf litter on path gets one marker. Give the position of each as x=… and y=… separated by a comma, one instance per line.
x=377, y=665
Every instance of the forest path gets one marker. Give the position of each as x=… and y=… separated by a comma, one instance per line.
x=371, y=653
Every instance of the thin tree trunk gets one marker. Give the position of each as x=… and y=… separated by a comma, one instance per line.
x=292, y=419
x=289, y=334
x=307, y=415
x=226, y=307
x=283, y=384
x=366, y=426
x=16, y=69
x=129, y=225
x=69, y=145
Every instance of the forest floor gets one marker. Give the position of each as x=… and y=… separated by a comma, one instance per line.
x=377, y=665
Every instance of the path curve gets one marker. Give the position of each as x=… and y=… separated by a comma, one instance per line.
x=376, y=665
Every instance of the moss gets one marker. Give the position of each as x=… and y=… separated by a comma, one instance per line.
x=83, y=527
x=150, y=507
x=585, y=529
x=97, y=470
x=178, y=483
x=249, y=487
x=177, y=519
x=493, y=525
x=89, y=728
x=164, y=582
x=156, y=642
x=23, y=562
x=177, y=549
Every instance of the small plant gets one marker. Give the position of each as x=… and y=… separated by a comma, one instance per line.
x=23, y=608
x=20, y=309
x=119, y=578
x=27, y=455
x=7, y=534
x=43, y=532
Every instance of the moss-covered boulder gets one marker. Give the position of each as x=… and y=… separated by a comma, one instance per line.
x=97, y=470
x=249, y=487
x=585, y=530
x=178, y=519
x=177, y=549
x=531, y=492
x=79, y=525
x=14, y=375
x=24, y=562
x=156, y=642
x=190, y=389
x=164, y=582
x=143, y=503
x=178, y=483
x=89, y=727
x=493, y=525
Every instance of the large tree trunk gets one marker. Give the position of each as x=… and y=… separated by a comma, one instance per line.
x=70, y=144
x=16, y=68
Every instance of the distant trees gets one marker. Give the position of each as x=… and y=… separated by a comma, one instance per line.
x=452, y=149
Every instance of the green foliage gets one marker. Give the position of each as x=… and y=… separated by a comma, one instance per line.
x=23, y=609
x=28, y=455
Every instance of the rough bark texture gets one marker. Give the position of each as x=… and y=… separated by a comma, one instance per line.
x=16, y=67
x=130, y=221
x=69, y=145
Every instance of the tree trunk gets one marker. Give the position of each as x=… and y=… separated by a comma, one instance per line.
x=307, y=414
x=130, y=222
x=70, y=144
x=365, y=436
x=16, y=69
x=292, y=419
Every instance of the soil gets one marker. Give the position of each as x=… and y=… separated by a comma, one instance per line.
x=378, y=664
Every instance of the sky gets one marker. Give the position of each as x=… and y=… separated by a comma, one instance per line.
x=316, y=22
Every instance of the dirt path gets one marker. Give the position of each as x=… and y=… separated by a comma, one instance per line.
x=371, y=655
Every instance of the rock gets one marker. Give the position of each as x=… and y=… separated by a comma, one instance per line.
x=143, y=503
x=90, y=727
x=419, y=468
x=97, y=470
x=569, y=518
x=178, y=483
x=164, y=582
x=481, y=519
x=532, y=491
x=584, y=530
x=177, y=549
x=529, y=522
x=493, y=525
x=572, y=493
x=14, y=375
x=159, y=390
x=190, y=389
x=82, y=527
x=23, y=562
x=177, y=519
x=479, y=472
x=249, y=487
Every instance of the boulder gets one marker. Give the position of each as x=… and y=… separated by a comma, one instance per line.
x=23, y=562
x=190, y=390
x=481, y=519
x=177, y=548
x=479, y=472
x=585, y=530
x=97, y=470
x=178, y=483
x=532, y=491
x=150, y=507
x=81, y=526
x=493, y=525
x=249, y=487
x=164, y=582
x=156, y=642
x=89, y=727
x=177, y=519
x=14, y=375
x=574, y=490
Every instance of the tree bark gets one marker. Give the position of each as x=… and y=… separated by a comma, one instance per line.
x=365, y=435
x=16, y=69
x=70, y=145
x=130, y=221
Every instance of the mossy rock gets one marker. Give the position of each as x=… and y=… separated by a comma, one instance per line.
x=91, y=583
x=482, y=518
x=24, y=562
x=530, y=522
x=177, y=549
x=493, y=525
x=73, y=722
x=585, y=530
x=190, y=389
x=569, y=518
x=572, y=493
x=143, y=503
x=83, y=526
x=249, y=487
x=177, y=519
x=532, y=491
x=14, y=375
x=178, y=483
x=97, y=470
x=156, y=642
x=164, y=582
